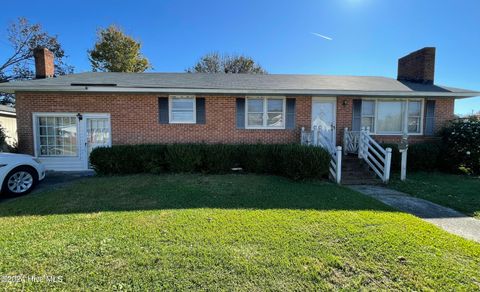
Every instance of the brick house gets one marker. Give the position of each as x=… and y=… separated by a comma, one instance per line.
x=61, y=119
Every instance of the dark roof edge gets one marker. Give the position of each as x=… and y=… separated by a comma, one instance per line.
x=320, y=92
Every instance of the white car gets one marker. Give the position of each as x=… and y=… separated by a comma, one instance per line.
x=19, y=173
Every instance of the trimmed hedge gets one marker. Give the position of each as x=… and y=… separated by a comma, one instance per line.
x=290, y=160
x=420, y=156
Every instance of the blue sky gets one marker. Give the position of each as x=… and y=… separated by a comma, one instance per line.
x=368, y=36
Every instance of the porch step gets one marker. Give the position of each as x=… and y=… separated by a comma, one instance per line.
x=356, y=172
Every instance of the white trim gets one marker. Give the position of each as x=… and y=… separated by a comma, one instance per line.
x=405, y=116
x=36, y=136
x=170, y=97
x=10, y=114
x=265, y=113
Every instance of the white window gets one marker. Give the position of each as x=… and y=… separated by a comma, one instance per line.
x=393, y=117
x=57, y=135
x=368, y=114
x=265, y=112
x=414, y=117
x=182, y=110
x=390, y=117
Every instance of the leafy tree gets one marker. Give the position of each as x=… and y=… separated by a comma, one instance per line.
x=216, y=63
x=116, y=52
x=24, y=37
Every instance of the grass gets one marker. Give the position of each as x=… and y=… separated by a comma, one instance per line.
x=231, y=232
x=455, y=191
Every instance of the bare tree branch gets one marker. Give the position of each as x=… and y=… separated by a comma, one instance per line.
x=24, y=37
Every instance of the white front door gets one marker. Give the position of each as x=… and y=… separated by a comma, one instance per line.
x=323, y=117
x=96, y=133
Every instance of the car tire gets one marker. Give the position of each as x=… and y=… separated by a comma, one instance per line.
x=20, y=181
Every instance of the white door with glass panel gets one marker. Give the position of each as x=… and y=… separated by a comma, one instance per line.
x=97, y=133
x=323, y=117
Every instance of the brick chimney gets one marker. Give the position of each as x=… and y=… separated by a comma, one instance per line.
x=44, y=67
x=418, y=66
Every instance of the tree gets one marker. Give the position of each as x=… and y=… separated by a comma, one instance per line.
x=216, y=63
x=116, y=52
x=24, y=37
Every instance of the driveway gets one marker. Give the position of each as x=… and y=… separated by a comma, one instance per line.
x=445, y=218
x=55, y=179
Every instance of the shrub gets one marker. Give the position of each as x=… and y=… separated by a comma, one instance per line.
x=218, y=158
x=3, y=138
x=183, y=158
x=290, y=160
x=420, y=156
x=461, y=138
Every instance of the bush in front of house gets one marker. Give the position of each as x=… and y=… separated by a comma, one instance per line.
x=4, y=146
x=420, y=156
x=294, y=161
x=3, y=137
x=461, y=139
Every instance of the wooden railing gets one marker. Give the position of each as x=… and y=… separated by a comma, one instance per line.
x=350, y=141
x=318, y=138
x=335, y=167
x=378, y=158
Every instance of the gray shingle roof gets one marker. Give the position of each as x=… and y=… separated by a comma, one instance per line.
x=235, y=84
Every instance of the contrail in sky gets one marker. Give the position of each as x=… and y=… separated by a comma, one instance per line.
x=322, y=36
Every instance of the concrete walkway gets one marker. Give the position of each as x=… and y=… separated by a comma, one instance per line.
x=445, y=218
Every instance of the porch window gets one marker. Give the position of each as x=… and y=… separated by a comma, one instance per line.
x=414, y=116
x=182, y=109
x=57, y=135
x=368, y=114
x=392, y=117
x=265, y=112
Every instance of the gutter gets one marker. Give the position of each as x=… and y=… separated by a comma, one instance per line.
x=318, y=92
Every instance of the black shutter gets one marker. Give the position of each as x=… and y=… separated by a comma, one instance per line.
x=357, y=115
x=163, y=110
x=200, y=106
x=430, y=118
x=241, y=113
x=290, y=118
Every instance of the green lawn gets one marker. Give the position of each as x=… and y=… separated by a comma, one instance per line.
x=231, y=232
x=456, y=191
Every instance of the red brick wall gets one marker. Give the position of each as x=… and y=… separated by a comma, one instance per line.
x=134, y=119
x=344, y=116
x=444, y=111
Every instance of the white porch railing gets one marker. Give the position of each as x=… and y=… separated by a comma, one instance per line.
x=378, y=158
x=336, y=165
x=351, y=140
x=317, y=137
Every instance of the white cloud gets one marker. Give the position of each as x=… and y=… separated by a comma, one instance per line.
x=322, y=36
